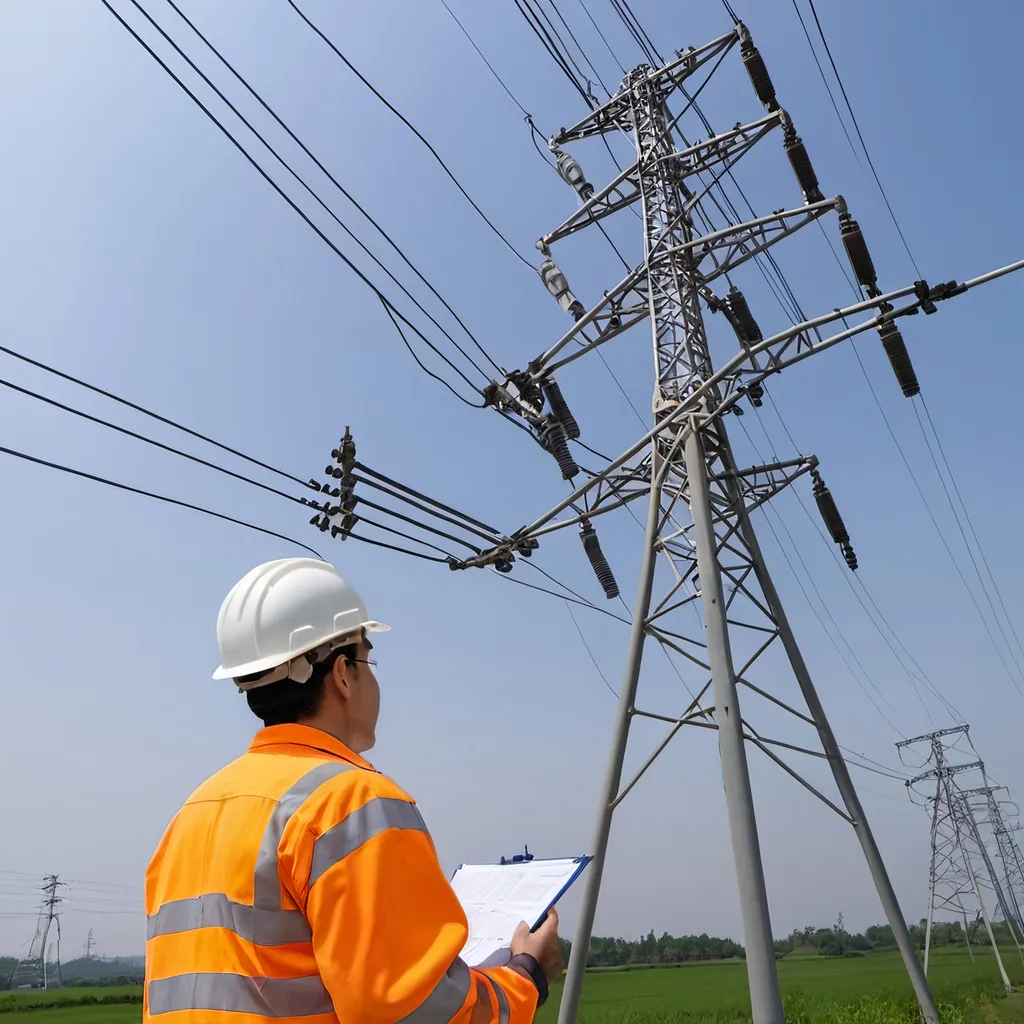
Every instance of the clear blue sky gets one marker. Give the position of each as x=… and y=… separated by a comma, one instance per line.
x=144, y=254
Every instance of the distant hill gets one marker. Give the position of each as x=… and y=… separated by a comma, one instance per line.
x=91, y=969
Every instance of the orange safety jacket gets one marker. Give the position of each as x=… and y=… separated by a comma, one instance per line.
x=300, y=884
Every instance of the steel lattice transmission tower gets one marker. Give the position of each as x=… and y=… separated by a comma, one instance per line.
x=700, y=501
x=31, y=971
x=1012, y=879
x=956, y=841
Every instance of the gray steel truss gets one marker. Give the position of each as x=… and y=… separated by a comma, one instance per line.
x=700, y=548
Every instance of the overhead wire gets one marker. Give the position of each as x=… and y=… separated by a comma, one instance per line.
x=922, y=676
x=537, y=9
x=39, y=364
x=825, y=81
x=535, y=132
x=147, y=440
x=860, y=136
x=572, y=36
x=334, y=181
x=277, y=188
x=766, y=508
x=970, y=523
x=604, y=39
x=482, y=56
x=394, y=110
x=539, y=31
x=330, y=212
x=967, y=545
x=730, y=12
x=932, y=516
x=604, y=678
x=917, y=412
x=157, y=497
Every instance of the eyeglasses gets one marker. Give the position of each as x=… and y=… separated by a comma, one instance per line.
x=372, y=662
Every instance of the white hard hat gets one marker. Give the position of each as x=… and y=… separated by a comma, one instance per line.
x=283, y=609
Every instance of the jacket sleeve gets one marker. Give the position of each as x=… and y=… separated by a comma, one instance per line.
x=387, y=928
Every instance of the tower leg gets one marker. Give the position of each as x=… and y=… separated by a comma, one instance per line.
x=613, y=773
x=762, y=973
x=844, y=783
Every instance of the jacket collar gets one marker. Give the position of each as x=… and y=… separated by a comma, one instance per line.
x=308, y=737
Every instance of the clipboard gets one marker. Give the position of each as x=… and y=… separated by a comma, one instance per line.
x=496, y=897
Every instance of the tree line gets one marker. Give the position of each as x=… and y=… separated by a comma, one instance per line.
x=837, y=941
x=809, y=941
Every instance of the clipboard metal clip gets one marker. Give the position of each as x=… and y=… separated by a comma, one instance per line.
x=520, y=858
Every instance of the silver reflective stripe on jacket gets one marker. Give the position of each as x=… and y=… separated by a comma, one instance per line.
x=503, y=1009
x=375, y=816
x=215, y=910
x=446, y=1000
x=236, y=993
x=265, y=923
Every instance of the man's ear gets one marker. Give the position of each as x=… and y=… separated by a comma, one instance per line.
x=340, y=677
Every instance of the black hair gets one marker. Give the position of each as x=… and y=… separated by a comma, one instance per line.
x=286, y=701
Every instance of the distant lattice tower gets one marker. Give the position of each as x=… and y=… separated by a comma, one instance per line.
x=31, y=971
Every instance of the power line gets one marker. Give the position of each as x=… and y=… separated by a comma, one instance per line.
x=362, y=78
x=967, y=516
x=147, y=412
x=549, y=44
x=825, y=82
x=604, y=678
x=148, y=440
x=604, y=39
x=156, y=497
x=277, y=188
x=319, y=199
x=334, y=181
x=931, y=514
x=490, y=66
x=583, y=53
x=963, y=535
x=856, y=125
x=922, y=675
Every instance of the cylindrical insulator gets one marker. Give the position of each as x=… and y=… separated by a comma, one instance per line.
x=559, y=408
x=598, y=562
x=899, y=358
x=857, y=253
x=555, y=441
x=850, y=555
x=744, y=319
x=572, y=174
x=554, y=280
x=829, y=512
x=802, y=168
x=759, y=77
x=755, y=392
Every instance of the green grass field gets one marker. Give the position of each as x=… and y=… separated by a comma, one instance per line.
x=818, y=990
x=857, y=990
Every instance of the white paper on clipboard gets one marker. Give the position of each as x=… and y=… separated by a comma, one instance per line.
x=496, y=897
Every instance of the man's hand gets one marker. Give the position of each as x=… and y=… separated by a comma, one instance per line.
x=543, y=945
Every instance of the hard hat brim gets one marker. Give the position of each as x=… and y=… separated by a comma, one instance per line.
x=265, y=664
